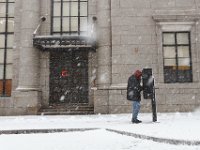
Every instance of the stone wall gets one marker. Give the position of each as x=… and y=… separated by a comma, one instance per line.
x=136, y=44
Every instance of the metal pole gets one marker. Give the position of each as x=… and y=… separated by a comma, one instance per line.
x=153, y=103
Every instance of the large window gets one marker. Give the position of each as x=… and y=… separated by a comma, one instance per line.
x=69, y=17
x=177, y=57
x=6, y=45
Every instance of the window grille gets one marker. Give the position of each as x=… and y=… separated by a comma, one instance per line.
x=6, y=46
x=177, y=57
x=69, y=17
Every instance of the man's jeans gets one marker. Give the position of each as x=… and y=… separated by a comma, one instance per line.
x=136, y=109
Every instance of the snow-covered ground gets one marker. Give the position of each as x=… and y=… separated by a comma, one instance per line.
x=170, y=126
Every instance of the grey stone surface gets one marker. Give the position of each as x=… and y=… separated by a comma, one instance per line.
x=29, y=56
x=6, y=103
x=30, y=101
x=104, y=39
x=116, y=109
x=101, y=110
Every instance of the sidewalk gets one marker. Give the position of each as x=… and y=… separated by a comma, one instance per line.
x=172, y=130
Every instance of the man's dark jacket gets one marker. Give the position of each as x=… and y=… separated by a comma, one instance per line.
x=133, y=89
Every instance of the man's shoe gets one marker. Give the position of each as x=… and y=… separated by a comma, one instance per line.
x=136, y=121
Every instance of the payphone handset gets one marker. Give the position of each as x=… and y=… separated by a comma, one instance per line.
x=148, y=83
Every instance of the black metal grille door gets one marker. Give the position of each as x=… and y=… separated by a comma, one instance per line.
x=69, y=77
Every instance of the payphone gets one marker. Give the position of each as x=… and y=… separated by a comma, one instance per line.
x=149, y=90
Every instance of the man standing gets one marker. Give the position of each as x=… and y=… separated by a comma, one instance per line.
x=133, y=94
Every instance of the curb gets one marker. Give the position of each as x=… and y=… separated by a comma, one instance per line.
x=156, y=139
x=32, y=131
x=139, y=136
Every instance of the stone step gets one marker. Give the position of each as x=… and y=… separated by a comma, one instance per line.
x=67, y=110
x=77, y=108
x=67, y=113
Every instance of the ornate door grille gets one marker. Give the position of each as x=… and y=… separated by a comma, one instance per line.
x=69, y=76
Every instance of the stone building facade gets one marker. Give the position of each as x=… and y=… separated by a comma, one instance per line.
x=83, y=51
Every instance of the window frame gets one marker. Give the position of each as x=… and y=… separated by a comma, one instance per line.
x=177, y=58
x=6, y=82
x=70, y=32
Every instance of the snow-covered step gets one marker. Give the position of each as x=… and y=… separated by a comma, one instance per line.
x=67, y=110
